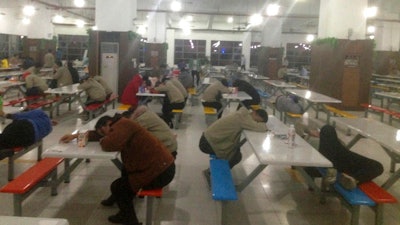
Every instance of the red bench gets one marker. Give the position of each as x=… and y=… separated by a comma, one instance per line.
x=149, y=196
x=23, y=100
x=381, y=111
x=95, y=107
x=36, y=176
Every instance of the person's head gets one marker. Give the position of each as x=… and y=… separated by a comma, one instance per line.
x=58, y=63
x=102, y=126
x=260, y=115
x=69, y=64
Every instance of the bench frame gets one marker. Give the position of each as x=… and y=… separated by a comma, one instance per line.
x=17, y=154
x=149, y=196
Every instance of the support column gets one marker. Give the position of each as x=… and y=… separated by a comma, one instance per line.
x=156, y=28
x=246, y=48
x=115, y=15
x=171, y=46
x=342, y=20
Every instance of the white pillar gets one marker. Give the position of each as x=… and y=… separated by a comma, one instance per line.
x=41, y=26
x=170, y=33
x=115, y=15
x=342, y=19
x=156, y=28
x=272, y=32
x=246, y=47
x=387, y=34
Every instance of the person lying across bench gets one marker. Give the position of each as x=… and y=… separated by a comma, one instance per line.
x=222, y=138
x=25, y=129
x=354, y=168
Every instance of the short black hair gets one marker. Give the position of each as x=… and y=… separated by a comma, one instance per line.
x=263, y=114
x=225, y=82
x=102, y=122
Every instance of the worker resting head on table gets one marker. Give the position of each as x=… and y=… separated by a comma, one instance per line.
x=26, y=129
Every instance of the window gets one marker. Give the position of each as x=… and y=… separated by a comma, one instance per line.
x=255, y=46
x=73, y=46
x=10, y=45
x=298, y=54
x=225, y=53
x=189, y=49
x=142, y=49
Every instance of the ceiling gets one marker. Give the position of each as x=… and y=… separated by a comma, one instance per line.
x=298, y=16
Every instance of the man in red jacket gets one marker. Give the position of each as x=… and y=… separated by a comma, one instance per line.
x=129, y=95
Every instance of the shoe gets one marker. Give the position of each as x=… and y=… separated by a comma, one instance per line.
x=330, y=176
x=109, y=201
x=348, y=182
x=118, y=218
x=207, y=175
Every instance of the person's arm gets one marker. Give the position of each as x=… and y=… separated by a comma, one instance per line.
x=93, y=136
x=248, y=123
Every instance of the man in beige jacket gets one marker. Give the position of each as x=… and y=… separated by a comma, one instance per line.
x=222, y=138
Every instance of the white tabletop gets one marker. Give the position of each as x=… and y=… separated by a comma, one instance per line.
x=392, y=95
x=312, y=96
x=12, y=109
x=7, y=83
x=206, y=81
x=388, y=80
x=257, y=77
x=279, y=84
x=150, y=94
x=384, y=134
x=69, y=90
x=240, y=96
x=18, y=220
x=271, y=149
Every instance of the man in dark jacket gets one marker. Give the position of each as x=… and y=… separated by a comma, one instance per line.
x=250, y=90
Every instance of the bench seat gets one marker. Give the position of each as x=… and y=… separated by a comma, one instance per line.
x=177, y=117
x=22, y=186
x=337, y=112
x=149, y=196
x=210, y=115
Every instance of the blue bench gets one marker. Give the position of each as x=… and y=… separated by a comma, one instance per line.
x=222, y=186
x=367, y=194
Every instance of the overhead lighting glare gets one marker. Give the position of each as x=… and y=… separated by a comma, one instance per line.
x=371, y=29
x=94, y=28
x=189, y=18
x=28, y=10
x=371, y=12
x=58, y=19
x=230, y=19
x=80, y=23
x=256, y=19
x=371, y=37
x=141, y=30
x=310, y=38
x=186, y=31
x=26, y=21
x=273, y=9
x=79, y=3
x=176, y=6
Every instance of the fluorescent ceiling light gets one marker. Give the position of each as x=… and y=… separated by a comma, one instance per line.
x=26, y=21
x=371, y=29
x=176, y=6
x=58, y=19
x=141, y=30
x=80, y=23
x=189, y=18
x=256, y=19
x=79, y=3
x=272, y=9
x=310, y=38
x=230, y=19
x=28, y=10
x=371, y=12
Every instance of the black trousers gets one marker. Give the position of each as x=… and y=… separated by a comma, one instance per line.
x=122, y=191
x=205, y=147
x=197, y=78
x=167, y=107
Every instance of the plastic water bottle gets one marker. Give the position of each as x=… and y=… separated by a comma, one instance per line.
x=291, y=136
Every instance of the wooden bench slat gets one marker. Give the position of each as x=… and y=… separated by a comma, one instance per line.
x=32, y=176
x=222, y=185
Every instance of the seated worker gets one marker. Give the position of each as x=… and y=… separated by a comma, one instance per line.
x=74, y=73
x=173, y=99
x=25, y=129
x=222, y=138
x=213, y=94
x=250, y=90
x=175, y=81
x=94, y=91
x=354, y=168
x=103, y=83
x=147, y=162
x=35, y=85
x=186, y=79
x=289, y=103
x=157, y=127
x=62, y=75
x=282, y=73
x=129, y=94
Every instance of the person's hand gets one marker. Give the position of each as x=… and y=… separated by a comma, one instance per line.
x=67, y=138
x=314, y=133
x=54, y=122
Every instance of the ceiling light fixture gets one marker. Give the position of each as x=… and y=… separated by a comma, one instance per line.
x=26, y=21
x=272, y=9
x=79, y=3
x=28, y=10
x=80, y=23
x=255, y=19
x=371, y=12
x=310, y=38
x=58, y=19
x=230, y=19
x=176, y=6
x=371, y=29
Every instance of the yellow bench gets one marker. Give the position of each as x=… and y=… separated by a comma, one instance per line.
x=211, y=115
x=177, y=117
x=255, y=107
x=192, y=94
x=291, y=115
x=337, y=112
x=124, y=107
